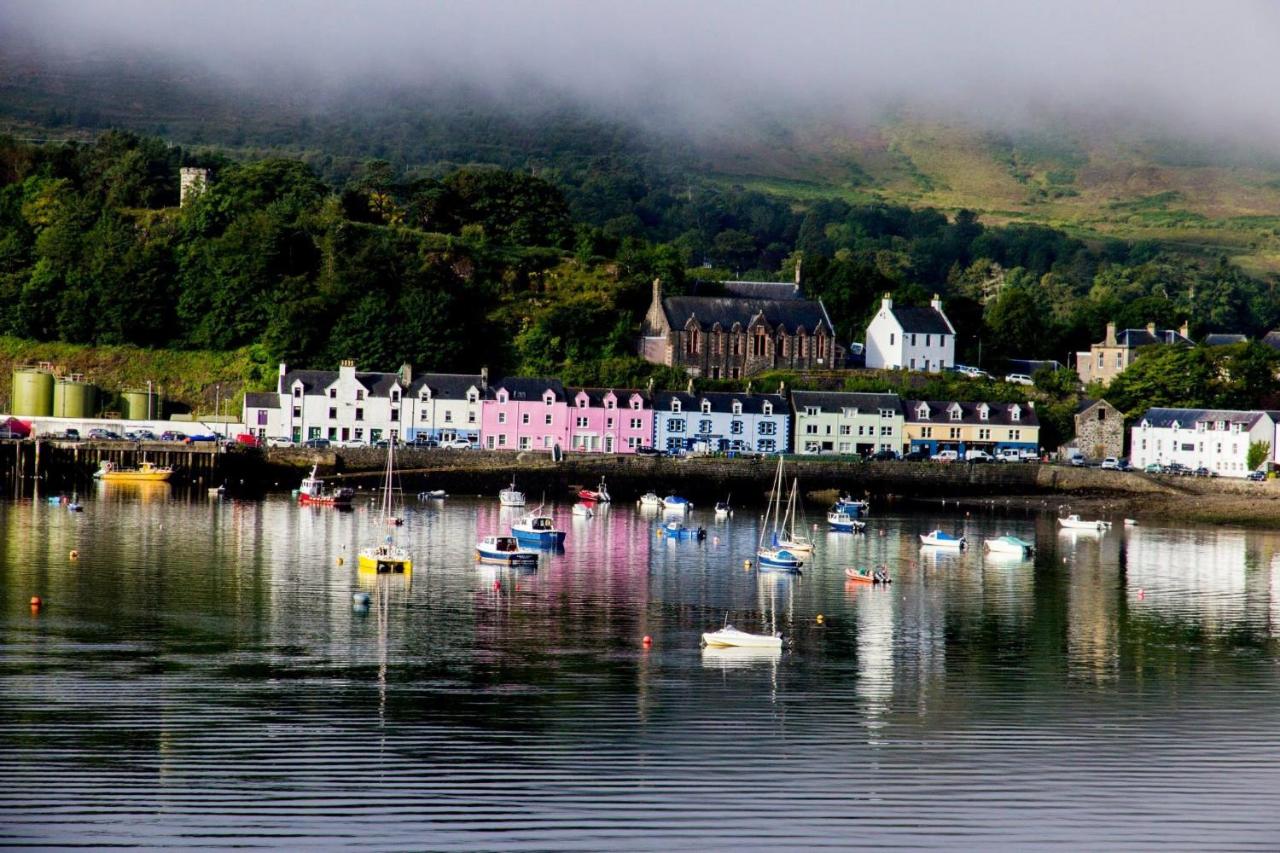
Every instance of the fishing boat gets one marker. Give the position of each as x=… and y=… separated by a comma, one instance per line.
x=871, y=576
x=723, y=509
x=675, y=503
x=774, y=555
x=387, y=557
x=649, y=499
x=433, y=495
x=312, y=491
x=504, y=550
x=1075, y=522
x=599, y=494
x=146, y=472
x=841, y=522
x=581, y=510
x=538, y=530
x=731, y=636
x=852, y=508
x=1009, y=545
x=943, y=539
x=676, y=530
x=511, y=496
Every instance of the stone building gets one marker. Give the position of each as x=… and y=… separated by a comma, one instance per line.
x=1099, y=429
x=1109, y=357
x=752, y=326
x=191, y=182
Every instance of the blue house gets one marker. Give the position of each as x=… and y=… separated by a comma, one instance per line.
x=721, y=421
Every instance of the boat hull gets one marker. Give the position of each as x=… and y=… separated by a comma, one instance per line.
x=733, y=638
x=935, y=542
x=384, y=564
x=847, y=525
x=539, y=538
x=506, y=558
x=340, y=499
x=1070, y=524
x=1005, y=547
x=783, y=561
x=135, y=477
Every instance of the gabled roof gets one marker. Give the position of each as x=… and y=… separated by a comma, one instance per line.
x=762, y=289
x=261, y=400
x=1141, y=337
x=446, y=386
x=378, y=384
x=1223, y=339
x=721, y=401
x=313, y=381
x=727, y=310
x=1086, y=404
x=595, y=396
x=999, y=413
x=921, y=321
x=527, y=388
x=1187, y=418
x=834, y=401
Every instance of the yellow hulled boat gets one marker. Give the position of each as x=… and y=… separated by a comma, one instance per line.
x=144, y=473
x=387, y=559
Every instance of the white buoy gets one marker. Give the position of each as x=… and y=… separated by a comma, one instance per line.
x=360, y=599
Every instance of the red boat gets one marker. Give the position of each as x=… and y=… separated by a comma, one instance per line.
x=312, y=491
x=600, y=495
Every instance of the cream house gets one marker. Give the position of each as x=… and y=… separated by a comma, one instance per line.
x=840, y=422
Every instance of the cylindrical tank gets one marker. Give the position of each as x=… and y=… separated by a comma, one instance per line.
x=140, y=404
x=32, y=392
x=74, y=398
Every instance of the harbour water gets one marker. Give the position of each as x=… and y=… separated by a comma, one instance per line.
x=200, y=677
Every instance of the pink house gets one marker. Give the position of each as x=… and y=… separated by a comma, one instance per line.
x=605, y=420
x=524, y=414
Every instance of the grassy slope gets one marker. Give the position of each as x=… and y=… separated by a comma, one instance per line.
x=190, y=378
x=1126, y=189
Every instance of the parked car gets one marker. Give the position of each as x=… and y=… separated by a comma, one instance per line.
x=916, y=456
x=423, y=442
x=1019, y=379
x=1153, y=468
x=99, y=434
x=978, y=456
x=1204, y=472
x=381, y=443
x=884, y=456
x=203, y=436
x=72, y=435
x=318, y=443
x=1257, y=476
x=1177, y=469
x=1008, y=454
x=458, y=444
x=248, y=439
x=1122, y=464
x=173, y=435
x=1076, y=459
x=648, y=451
x=279, y=441
x=1110, y=464
x=945, y=456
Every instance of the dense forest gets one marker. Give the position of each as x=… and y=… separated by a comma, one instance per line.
x=546, y=273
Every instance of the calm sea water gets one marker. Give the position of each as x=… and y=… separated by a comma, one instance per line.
x=199, y=677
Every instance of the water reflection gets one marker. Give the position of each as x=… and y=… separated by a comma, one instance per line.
x=207, y=655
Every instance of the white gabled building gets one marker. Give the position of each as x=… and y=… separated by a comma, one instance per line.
x=911, y=338
x=1216, y=439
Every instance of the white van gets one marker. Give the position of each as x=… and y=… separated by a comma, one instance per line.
x=1008, y=454
x=945, y=456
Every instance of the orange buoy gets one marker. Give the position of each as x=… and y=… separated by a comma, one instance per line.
x=74, y=555
x=648, y=641
x=36, y=601
x=497, y=585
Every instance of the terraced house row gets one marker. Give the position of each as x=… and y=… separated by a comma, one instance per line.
x=541, y=414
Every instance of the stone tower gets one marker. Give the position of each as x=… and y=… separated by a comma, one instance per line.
x=191, y=182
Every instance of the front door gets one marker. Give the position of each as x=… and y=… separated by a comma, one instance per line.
x=346, y=433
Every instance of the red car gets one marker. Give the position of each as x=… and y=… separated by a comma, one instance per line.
x=248, y=440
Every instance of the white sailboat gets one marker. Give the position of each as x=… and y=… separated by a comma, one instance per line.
x=791, y=539
x=386, y=557
x=775, y=555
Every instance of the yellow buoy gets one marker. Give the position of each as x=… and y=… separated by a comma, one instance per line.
x=820, y=620
x=74, y=555
x=339, y=561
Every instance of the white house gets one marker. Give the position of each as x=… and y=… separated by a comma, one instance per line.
x=911, y=338
x=1216, y=439
x=350, y=406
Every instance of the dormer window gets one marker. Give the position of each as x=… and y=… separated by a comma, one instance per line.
x=811, y=411
x=635, y=403
x=472, y=396
x=955, y=413
x=706, y=406
x=425, y=398
x=922, y=412
x=297, y=391
x=503, y=397
x=1015, y=413
x=675, y=406
x=582, y=402
x=395, y=396
x=983, y=412
x=737, y=407
x=549, y=398
x=610, y=403
x=767, y=408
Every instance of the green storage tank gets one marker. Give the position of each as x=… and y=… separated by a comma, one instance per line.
x=140, y=404
x=33, y=391
x=74, y=398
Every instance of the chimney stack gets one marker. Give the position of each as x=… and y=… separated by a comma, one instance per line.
x=689, y=387
x=799, y=262
x=484, y=379
x=406, y=374
x=887, y=302
x=1151, y=329
x=1111, y=334
x=1185, y=330
x=657, y=291
x=936, y=302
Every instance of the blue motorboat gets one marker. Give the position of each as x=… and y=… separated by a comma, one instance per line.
x=779, y=559
x=504, y=550
x=676, y=530
x=842, y=522
x=539, y=531
x=676, y=503
x=852, y=508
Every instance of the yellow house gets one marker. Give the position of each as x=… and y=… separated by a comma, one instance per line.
x=934, y=425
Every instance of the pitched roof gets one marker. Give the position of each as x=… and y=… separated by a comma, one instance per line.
x=921, y=321
x=1142, y=337
x=595, y=396
x=446, y=386
x=377, y=384
x=763, y=289
x=727, y=310
x=262, y=400
x=833, y=401
x=527, y=388
x=1272, y=339
x=1223, y=339
x=721, y=401
x=999, y=413
x=1164, y=418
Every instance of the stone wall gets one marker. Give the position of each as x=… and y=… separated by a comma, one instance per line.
x=1098, y=439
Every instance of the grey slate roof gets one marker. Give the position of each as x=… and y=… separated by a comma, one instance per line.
x=1141, y=337
x=261, y=400
x=721, y=401
x=999, y=414
x=377, y=384
x=1222, y=339
x=446, y=386
x=596, y=395
x=527, y=388
x=921, y=321
x=727, y=310
x=762, y=289
x=834, y=401
x=1272, y=339
x=1188, y=418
